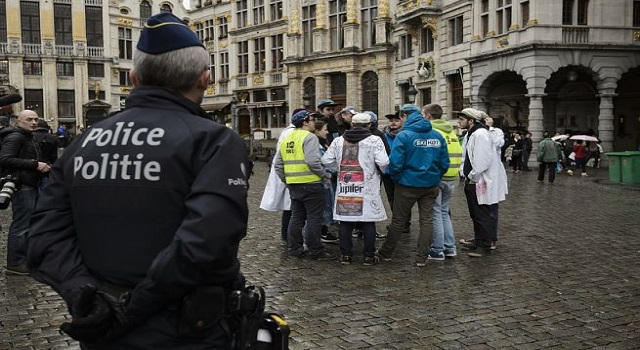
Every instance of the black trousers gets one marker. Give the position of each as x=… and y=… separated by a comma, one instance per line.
x=482, y=217
x=552, y=171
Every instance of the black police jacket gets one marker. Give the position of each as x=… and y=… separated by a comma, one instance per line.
x=19, y=155
x=153, y=198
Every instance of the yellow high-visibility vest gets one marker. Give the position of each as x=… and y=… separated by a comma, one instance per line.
x=296, y=170
x=455, y=154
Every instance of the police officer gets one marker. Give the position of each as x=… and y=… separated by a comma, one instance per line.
x=139, y=227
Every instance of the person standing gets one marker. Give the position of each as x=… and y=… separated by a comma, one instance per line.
x=517, y=153
x=484, y=186
x=298, y=165
x=48, y=146
x=129, y=231
x=526, y=152
x=391, y=130
x=359, y=157
x=548, y=156
x=21, y=158
x=418, y=160
x=443, y=240
x=327, y=110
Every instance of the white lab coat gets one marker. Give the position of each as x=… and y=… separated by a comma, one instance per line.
x=276, y=195
x=488, y=171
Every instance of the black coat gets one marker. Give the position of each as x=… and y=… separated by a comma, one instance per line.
x=19, y=155
x=48, y=145
x=153, y=198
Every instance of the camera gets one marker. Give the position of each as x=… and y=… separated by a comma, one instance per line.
x=8, y=189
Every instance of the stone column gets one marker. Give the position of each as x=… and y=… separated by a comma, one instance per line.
x=605, y=121
x=351, y=35
x=535, y=123
x=49, y=89
x=352, y=11
x=386, y=92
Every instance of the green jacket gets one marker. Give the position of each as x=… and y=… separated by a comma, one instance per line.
x=548, y=151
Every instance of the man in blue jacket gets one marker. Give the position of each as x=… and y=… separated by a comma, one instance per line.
x=418, y=159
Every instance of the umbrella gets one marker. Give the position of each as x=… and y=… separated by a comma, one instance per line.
x=584, y=138
x=560, y=137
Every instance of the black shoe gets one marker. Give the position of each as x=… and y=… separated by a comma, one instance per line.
x=380, y=235
x=479, y=253
x=346, y=260
x=18, y=270
x=323, y=256
x=328, y=238
x=371, y=260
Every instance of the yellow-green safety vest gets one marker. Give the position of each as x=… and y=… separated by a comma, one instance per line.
x=296, y=170
x=455, y=154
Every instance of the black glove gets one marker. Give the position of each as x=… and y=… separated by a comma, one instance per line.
x=92, y=316
x=123, y=319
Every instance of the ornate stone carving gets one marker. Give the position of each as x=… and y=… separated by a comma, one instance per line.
x=636, y=36
x=502, y=42
x=125, y=22
x=431, y=23
x=321, y=12
x=294, y=22
x=258, y=80
x=352, y=11
x=383, y=9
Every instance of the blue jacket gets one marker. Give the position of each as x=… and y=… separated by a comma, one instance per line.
x=419, y=156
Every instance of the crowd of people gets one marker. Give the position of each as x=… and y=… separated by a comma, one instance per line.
x=330, y=165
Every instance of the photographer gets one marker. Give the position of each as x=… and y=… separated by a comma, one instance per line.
x=139, y=227
x=21, y=158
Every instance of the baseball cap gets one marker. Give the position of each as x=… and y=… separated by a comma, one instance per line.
x=396, y=115
x=327, y=102
x=470, y=113
x=165, y=32
x=300, y=116
x=349, y=109
x=361, y=118
x=374, y=117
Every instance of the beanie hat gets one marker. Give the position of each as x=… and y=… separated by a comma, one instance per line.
x=165, y=32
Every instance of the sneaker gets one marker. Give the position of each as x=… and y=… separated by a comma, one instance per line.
x=18, y=270
x=382, y=256
x=357, y=233
x=450, y=252
x=570, y=172
x=370, y=260
x=469, y=246
x=346, y=260
x=479, y=253
x=494, y=246
x=421, y=261
x=323, y=256
x=540, y=182
x=467, y=241
x=328, y=238
x=585, y=174
x=380, y=235
x=433, y=255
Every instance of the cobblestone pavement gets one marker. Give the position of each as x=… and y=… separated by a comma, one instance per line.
x=565, y=276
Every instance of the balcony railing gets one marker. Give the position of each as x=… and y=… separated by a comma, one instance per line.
x=4, y=47
x=242, y=82
x=93, y=51
x=575, y=35
x=93, y=2
x=64, y=50
x=276, y=78
x=32, y=49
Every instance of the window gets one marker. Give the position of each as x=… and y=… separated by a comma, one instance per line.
x=94, y=29
x=455, y=30
x=278, y=94
x=309, y=92
x=456, y=92
x=308, y=23
x=33, y=100
x=145, y=11
x=62, y=23
x=3, y=21
x=260, y=95
x=124, y=77
x=503, y=16
x=224, y=66
x=243, y=57
x=66, y=103
x=30, y=22
x=125, y=43
x=258, y=11
x=427, y=44
x=166, y=8
x=406, y=46
x=636, y=13
x=212, y=68
x=524, y=10
x=425, y=95
x=4, y=67
x=32, y=67
x=92, y=95
x=370, y=92
x=199, y=30
x=484, y=18
x=337, y=17
x=275, y=9
x=369, y=12
x=575, y=12
x=209, y=30
x=277, y=52
x=96, y=70
x=64, y=69
x=242, y=13
x=223, y=27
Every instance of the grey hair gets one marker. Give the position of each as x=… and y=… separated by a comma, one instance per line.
x=176, y=70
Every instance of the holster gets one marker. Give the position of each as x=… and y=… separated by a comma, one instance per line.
x=201, y=310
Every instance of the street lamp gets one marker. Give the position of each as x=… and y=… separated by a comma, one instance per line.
x=412, y=92
x=234, y=104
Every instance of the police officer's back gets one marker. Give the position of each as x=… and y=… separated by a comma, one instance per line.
x=151, y=201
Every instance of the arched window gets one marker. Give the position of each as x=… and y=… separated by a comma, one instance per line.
x=166, y=8
x=309, y=93
x=145, y=11
x=370, y=92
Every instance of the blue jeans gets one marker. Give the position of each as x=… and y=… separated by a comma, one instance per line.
x=307, y=203
x=23, y=203
x=327, y=214
x=442, y=228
